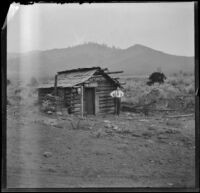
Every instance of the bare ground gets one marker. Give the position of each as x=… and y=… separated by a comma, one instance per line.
x=126, y=151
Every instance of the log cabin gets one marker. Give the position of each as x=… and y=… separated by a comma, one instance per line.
x=83, y=91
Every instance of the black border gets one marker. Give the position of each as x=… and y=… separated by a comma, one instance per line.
x=4, y=101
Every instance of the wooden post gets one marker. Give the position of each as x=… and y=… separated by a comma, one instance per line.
x=55, y=84
x=82, y=102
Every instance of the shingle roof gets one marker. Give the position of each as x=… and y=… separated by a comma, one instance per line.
x=73, y=77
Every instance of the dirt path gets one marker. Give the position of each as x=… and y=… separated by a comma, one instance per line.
x=127, y=151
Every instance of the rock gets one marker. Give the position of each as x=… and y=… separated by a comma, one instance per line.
x=150, y=141
x=51, y=170
x=144, y=120
x=52, y=122
x=135, y=135
x=59, y=113
x=115, y=127
x=151, y=127
x=49, y=112
x=98, y=133
x=108, y=125
x=106, y=121
x=47, y=154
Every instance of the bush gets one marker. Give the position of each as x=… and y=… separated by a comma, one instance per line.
x=189, y=89
x=156, y=77
x=49, y=103
x=33, y=82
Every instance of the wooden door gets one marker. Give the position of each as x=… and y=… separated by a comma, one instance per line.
x=89, y=100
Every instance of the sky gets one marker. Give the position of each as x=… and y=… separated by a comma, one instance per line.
x=168, y=27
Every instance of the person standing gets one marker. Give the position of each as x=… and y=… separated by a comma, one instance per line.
x=117, y=94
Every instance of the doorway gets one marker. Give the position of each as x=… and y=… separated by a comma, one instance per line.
x=89, y=101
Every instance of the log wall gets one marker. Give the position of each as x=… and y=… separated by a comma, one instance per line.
x=69, y=98
x=104, y=102
x=42, y=92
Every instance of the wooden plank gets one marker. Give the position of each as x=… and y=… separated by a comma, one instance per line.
x=105, y=97
x=96, y=103
x=106, y=100
x=179, y=116
x=72, y=98
x=82, y=102
x=76, y=106
x=105, y=89
x=106, y=106
x=107, y=112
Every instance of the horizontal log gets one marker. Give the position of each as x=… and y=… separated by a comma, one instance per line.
x=179, y=116
x=115, y=72
x=106, y=97
x=106, y=106
x=122, y=83
x=104, y=92
x=73, y=98
x=105, y=83
x=75, y=103
x=107, y=111
x=110, y=89
x=103, y=103
x=75, y=106
x=106, y=100
x=101, y=87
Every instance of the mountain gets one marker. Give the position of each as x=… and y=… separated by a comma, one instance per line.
x=135, y=60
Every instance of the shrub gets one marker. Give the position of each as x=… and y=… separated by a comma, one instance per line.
x=156, y=77
x=33, y=82
x=189, y=89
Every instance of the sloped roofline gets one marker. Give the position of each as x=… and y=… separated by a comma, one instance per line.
x=87, y=69
x=91, y=68
x=78, y=70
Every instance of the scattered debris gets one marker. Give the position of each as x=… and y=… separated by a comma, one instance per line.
x=144, y=120
x=135, y=135
x=59, y=113
x=52, y=122
x=51, y=170
x=147, y=134
x=170, y=184
x=47, y=154
x=98, y=133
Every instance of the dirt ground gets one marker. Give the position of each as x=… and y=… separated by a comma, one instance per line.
x=132, y=150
